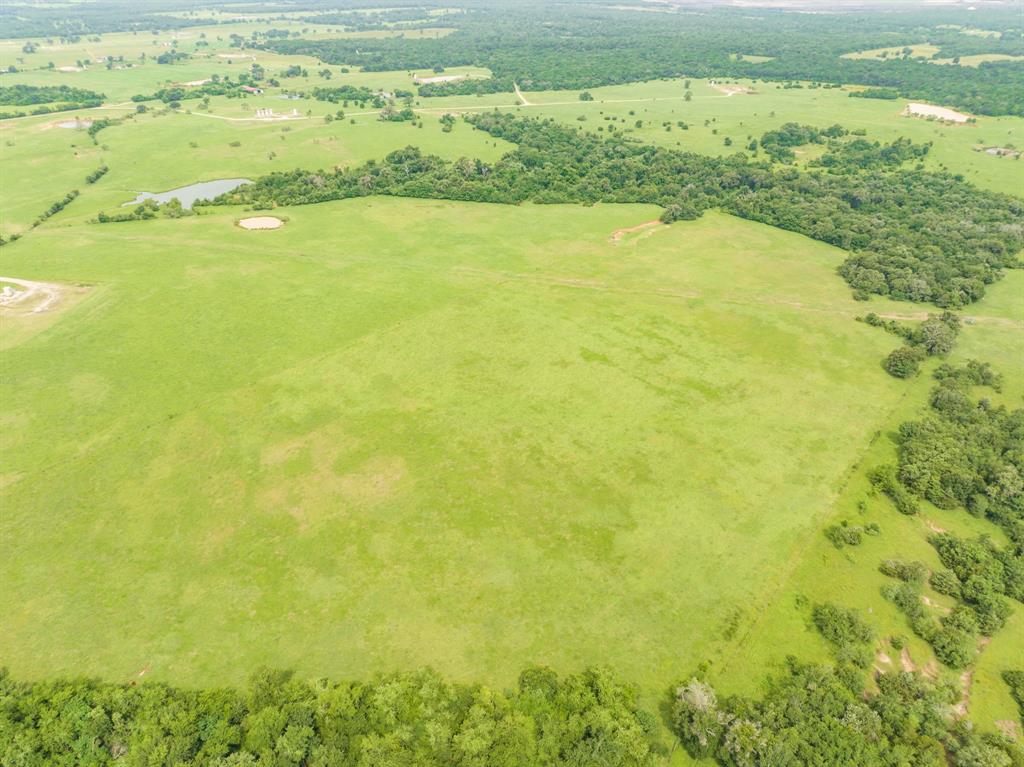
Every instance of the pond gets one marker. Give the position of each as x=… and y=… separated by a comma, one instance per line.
x=205, y=190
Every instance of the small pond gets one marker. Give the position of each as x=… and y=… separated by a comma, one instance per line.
x=187, y=195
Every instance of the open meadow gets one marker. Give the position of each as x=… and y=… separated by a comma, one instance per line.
x=394, y=432
x=348, y=446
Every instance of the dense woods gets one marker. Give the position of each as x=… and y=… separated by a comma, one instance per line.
x=400, y=719
x=967, y=452
x=819, y=715
x=28, y=95
x=916, y=236
x=824, y=715
x=566, y=47
x=472, y=86
x=45, y=99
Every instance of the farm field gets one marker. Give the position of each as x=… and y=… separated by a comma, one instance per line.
x=409, y=379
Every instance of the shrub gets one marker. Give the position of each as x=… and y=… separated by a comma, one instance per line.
x=904, y=362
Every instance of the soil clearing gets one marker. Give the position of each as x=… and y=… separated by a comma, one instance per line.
x=941, y=113
x=261, y=222
x=438, y=79
x=731, y=90
x=618, y=234
x=41, y=296
x=520, y=96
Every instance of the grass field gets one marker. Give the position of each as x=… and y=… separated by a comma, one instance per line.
x=485, y=437
x=853, y=579
x=398, y=433
x=713, y=116
x=918, y=50
x=308, y=142
x=45, y=162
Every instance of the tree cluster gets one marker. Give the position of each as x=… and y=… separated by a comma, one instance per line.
x=967, y=453
x=818, y=715
x=27, y=95
x=399, y=719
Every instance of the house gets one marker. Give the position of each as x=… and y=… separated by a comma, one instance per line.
x=252, y=90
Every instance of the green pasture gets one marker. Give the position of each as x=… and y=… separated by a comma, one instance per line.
x=745, y=117
x=918, y=50
x=398, y=433
x=978, y=59
x=994, y=332
x=401, y=432
x=163, y=150
x=147, y=77
x=216, y=36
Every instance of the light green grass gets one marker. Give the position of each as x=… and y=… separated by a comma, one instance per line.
x=744, y=117
x=918, y=50
x=155, y=152
x=217, y=36
x=978, y=59
x=401, y=432
x=782, y=623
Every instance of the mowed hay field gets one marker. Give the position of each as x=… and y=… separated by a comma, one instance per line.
x=397, y=433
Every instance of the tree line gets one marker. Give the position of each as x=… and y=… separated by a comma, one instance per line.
x=280, y=721
x=46, y=99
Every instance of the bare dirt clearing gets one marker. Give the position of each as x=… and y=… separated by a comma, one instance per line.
x=261, y=222
x=619, y=234
x=939, y=113
x=27, y=296
x=76, y=124
x=732, y=90
x=438, y=79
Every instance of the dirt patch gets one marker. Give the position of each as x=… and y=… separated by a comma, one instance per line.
x=28, y=296
x=261, y=222
x=1010, y=729
x=732, y=90
x=929, y=111
x=937, y=607
x=374, y=481
x=906, y=662
x=438, y=79
x=618, y=234
x=998, y=151
x=961, y=706
x=67, y=125
x=934, y=527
